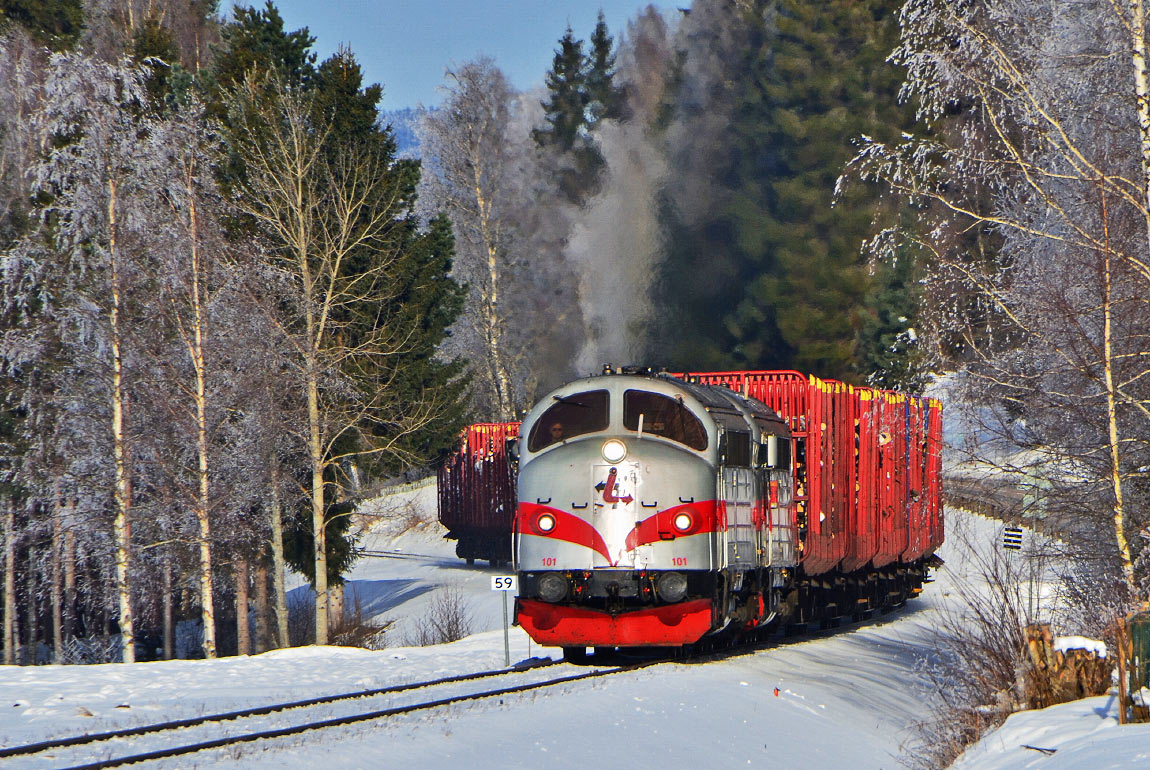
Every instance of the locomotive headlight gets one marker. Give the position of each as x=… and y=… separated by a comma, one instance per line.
x=545, y=522
x=672, y=586
x=683, y=522
x=551, y=587
x=614, y=450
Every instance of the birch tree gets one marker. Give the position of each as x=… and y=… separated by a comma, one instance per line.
x=321, y=214
x=1042, y=156
x=468, y=140
x=92, y=123
x=190, y=279
x=510, y=221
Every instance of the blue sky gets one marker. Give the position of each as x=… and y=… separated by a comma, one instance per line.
x=405, y=44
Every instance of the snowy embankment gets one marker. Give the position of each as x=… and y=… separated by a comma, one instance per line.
x=844, y=701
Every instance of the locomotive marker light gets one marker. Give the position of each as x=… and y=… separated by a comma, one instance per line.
x=505, y=583
x=683, y=522
x=545, y=523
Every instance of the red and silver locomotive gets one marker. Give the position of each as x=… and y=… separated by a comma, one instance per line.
x=655, y=510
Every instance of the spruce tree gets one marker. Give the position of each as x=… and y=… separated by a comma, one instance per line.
x=55, y=23
x=604, y=99
x=255, y=41
x=154, y=50
x=824, y=83
x=565, y=110
x=787, y=285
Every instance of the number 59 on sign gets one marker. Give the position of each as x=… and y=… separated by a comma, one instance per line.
x=503, y=583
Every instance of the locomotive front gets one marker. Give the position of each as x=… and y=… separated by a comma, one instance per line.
x=615, y=531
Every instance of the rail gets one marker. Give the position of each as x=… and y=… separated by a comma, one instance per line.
x=307, y=726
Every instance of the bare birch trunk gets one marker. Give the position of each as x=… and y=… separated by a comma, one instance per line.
x=494, y=333
x=1115, y=466
x=70, y=583
x=243, y=626
x=57, y=579
x=1142, y=98
x=121, y=526
x=195, y=344
x=278, y=566
x=262, y=609
x=9, y=583
x=169, y=625
x=335, y=604
x=318, y=524
x=1112, y=408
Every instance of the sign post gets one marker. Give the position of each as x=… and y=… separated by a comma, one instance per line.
x=505, y=583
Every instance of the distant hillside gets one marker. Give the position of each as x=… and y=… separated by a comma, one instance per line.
x=403, y=123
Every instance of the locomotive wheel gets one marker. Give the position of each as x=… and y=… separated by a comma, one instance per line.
x=577, y=655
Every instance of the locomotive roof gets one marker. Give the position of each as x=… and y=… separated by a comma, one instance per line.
x=715, y=400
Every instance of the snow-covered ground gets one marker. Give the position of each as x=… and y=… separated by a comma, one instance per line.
x=849, y=700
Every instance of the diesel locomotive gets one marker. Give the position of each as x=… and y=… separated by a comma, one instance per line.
x=660, y=510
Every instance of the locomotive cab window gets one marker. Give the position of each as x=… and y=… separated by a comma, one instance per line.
x=663, y=416
x=568, y=417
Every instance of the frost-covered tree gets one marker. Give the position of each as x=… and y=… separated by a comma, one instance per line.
x=468, y=141
x=21, y=75
x=486, y=173
x=191, y=279
x=1040, y=124
x=87, y=276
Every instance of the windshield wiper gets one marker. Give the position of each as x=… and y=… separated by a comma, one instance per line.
x=569, y=400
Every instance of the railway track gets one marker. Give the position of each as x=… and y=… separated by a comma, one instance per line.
x=176, y=738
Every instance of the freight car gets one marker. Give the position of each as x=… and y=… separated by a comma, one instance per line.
x=476, y=493
x=656, y=510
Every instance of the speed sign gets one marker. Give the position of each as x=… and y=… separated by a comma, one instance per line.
x=504, y=583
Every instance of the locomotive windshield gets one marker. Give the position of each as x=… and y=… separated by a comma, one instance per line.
x=663, y=416
x=568, y=417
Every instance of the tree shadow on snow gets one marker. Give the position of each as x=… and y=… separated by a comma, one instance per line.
x=375, y=597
